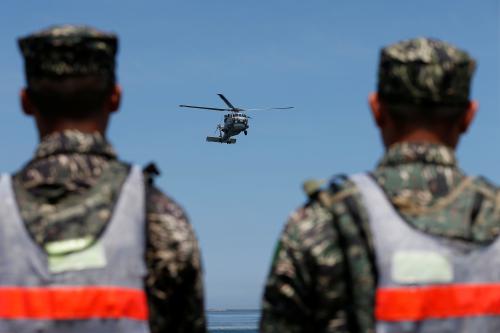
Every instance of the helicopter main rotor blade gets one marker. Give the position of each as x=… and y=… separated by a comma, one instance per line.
x=268, y=109
x=228, y=103
x=203, y=108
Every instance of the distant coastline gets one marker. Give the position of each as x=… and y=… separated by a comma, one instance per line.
x=221, y=320
x=231, y=310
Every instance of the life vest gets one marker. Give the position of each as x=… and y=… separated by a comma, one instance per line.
x=428, y=283
x=99, y=289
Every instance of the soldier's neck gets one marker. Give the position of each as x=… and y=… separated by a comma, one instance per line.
x=76, y=125
x=424, y=136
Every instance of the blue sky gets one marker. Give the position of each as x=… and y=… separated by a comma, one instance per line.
x=319, y=56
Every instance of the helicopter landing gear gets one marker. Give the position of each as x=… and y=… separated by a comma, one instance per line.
x=245, y=132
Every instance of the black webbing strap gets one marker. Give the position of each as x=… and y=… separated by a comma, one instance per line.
x=476, y=207
x=353, y=210
x=352, y=320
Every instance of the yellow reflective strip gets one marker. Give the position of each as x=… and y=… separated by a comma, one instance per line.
x=90, y=258
x=68, y=245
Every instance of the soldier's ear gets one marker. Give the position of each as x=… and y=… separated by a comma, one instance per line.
x=115, y=97
x=377, y=110
x=469, y=116
x=26, y=102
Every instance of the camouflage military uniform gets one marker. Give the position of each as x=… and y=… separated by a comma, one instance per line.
x=323, y=276
x=66, y=167
x=70, y=187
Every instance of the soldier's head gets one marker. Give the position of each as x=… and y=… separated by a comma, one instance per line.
x=423, y=92
x=70, y=78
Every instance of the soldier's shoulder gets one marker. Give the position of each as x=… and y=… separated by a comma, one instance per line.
x=169, y=229
x=330, y=191
x=486, y=187
x=485, y=209
x=160, y=204
x=315, y=218
x=163, y=206
x=339, y=189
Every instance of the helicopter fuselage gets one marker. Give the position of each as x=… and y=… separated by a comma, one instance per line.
x=234, y=124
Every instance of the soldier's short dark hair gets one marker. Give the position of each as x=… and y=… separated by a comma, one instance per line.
x=424, y=115
x=70, y=97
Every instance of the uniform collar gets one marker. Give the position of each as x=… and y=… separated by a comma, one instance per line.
x=413, y=152
x=74, y=142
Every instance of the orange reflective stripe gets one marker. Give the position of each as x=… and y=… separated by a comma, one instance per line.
x=66, y=303
x=447, y=301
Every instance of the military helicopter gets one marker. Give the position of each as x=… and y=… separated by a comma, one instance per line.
x=235, y=121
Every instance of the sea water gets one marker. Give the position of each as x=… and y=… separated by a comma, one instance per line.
x=233, y=321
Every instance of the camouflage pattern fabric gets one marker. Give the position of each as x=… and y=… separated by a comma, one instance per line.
x=312, y=186
x=69, y=190
x=425, y=71
x=323, y=267
x=69, y=50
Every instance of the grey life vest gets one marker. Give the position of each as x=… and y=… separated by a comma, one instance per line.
x=425, y=283
x=99, y=289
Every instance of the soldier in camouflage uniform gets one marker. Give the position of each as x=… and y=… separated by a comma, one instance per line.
x=324, y=273
x=68, y=190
